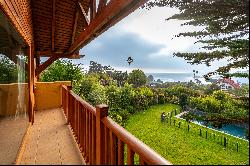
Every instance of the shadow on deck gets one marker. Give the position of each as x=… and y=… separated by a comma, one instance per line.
x=50, y=141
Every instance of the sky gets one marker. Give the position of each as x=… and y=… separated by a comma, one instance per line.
x=149, y=39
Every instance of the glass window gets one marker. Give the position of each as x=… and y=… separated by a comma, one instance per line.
x=14, y=97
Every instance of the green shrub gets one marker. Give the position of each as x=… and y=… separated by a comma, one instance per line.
x=137, y=78
x=97, y=95
x=62, y=70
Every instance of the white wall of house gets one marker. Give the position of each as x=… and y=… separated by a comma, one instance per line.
x=225, y=86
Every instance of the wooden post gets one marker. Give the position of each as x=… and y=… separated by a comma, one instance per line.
x=206, y=134
x=31, y=82
x=200, y=132
x=37, y=65
x=101, y=112
x=188, y=127
x=179, y=124
x=225, y=141
x=68, y=103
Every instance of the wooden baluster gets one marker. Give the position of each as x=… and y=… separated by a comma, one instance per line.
x=130, y=156
x=141, y=161
x=87, y=136
x=78, y=120
x=93, y=154
x=70, y=109
x=73, y=114
x=90, y=137
x=80, y=127
x=68, y=103
x=101, y=112
x=107, y=149
x=62, y=99
x=112, y=148
x=120, y=152
x=67, y=106
x=84, y=130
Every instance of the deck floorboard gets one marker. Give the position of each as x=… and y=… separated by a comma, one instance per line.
x=51, y=141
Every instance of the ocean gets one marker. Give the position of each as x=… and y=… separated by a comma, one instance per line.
x=186, y=77
x=172, y=77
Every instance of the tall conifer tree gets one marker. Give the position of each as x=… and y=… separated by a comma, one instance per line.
x=226, y=32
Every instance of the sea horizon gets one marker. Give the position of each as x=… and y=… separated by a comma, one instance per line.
x=186, y=77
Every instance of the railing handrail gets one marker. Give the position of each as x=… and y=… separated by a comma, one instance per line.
x=90, y=127
x=65, y=87
x=84, y=103
x=138, y=146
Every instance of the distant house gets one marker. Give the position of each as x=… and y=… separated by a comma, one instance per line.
x=227, y=84
x=154, y=83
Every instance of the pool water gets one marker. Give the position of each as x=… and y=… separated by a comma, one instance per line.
x=231, y=129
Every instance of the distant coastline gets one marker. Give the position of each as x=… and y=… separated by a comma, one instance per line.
x=185, y=77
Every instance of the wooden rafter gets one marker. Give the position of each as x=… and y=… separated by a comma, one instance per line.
x=84, y=13
x=47, y=53
x=92, y=9
x=101, y=6
x=53, y=25
x=53, y=58
x=113, y=12
x=75, y=25
x=43, y=66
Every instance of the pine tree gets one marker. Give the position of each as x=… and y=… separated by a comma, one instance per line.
x=226, y=32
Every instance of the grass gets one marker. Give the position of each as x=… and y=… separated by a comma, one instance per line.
x=180, y=146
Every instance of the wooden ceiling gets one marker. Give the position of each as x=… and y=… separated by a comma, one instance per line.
x=62, y=27
x=56, y=24
x=59, y=28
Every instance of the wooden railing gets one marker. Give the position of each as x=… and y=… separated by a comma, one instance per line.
x=100, y=139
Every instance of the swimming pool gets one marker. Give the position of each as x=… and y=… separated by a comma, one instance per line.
x=231, y=129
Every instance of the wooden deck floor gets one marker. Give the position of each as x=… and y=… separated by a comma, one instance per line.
x=50, y=141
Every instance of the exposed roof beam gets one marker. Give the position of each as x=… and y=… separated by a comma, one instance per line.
x=43, y=66
x=114, y=11
x=92, y=9
x=53, y=58
x=47, y=53
x=101, y=6
x=75, y=25
x=53, y=25
x=84, y=13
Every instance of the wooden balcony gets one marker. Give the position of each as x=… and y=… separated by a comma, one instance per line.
x=73, y=133
x=100, y=139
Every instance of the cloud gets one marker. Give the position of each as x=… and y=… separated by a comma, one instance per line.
x=147, y=38
x=113, y=48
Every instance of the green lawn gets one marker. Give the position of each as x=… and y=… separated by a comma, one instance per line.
x=180, y=146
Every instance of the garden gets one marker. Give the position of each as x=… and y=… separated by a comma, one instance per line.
x=183, y=144
x=137, y=106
